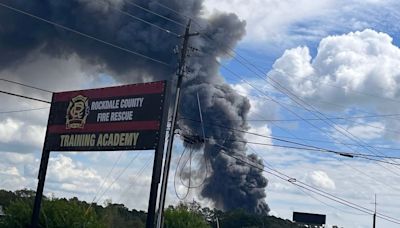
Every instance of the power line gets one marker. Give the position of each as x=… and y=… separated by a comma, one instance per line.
x=350, y=166
x=325, y=119
x=304, y=146
x=272, y=168
x=144, y=21
x=104, y=181
x=119, y=176
x=28, y=86
x=370, y=114
x=85, y=35
x=176, y=174
x=23, y=96
x=154, y=13
x=332, y=118
x=134, y=179
x=326, y=204
x=297, y=115
x=176, y=12
x=343, y=153
x=311, y=140
x=322, y=150
x=375, y=96
x=307, y=187
x=22, y=110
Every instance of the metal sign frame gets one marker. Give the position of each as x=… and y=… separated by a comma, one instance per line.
x=53, y=134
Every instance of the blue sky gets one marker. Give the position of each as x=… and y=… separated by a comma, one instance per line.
x=329, y=53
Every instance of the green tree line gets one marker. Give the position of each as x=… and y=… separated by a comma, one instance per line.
x=66, y=213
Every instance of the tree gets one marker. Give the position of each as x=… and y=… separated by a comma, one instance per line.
x=239, y=218
x=55, y=213
x=184, y=216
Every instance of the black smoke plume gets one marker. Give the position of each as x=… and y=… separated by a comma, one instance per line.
x=232, y=183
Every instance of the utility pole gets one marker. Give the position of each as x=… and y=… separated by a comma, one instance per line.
x=374, y=221
x=167, y=163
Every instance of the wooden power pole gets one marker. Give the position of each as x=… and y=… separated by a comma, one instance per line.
x=167, y=163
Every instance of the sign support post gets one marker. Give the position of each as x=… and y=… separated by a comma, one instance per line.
x=158, y=157
x=39, y=192
x=44, y=161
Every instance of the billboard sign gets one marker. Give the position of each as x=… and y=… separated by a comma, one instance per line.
x=115, y=118
x=309, y=219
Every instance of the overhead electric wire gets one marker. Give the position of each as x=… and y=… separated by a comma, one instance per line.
x=309, y=194
x=350, y=166
x=22, y=110
x=84, y=35
x=322, y=150
x=337, y=128
x=369, y=114
x=290, y=178
x=345, y=132
x=176, y=12
x=312, y=140
x=25, y=85
x=176, y=174
x=135, y=178
x=104, y=180
x=328, y=205
x=144, y=21
x=296, y=143
x=344, y=154
x=375, y=96
x=316, y=140
x=294, y=113
x=304, y=146
x=25, y=97
x=117, y=178
x=320, y=192
x=154, y=13
x=332, y=118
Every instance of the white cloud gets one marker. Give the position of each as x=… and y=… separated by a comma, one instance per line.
x=321, y=179
x=284, y=23
x=13, y=171
x=72, y=176
x=364, y=61
x=269, y=19
x=355, y=70
x=345, y=178
x=366, y=131
x=16, y=131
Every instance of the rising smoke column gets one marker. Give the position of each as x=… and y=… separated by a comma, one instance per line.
x=232, y=184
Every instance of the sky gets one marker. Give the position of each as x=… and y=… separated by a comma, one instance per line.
x=305, y=61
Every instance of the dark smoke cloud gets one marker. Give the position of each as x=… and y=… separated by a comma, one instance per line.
x=232, y=184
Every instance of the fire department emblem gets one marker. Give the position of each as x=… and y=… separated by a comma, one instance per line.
x=77, y=112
